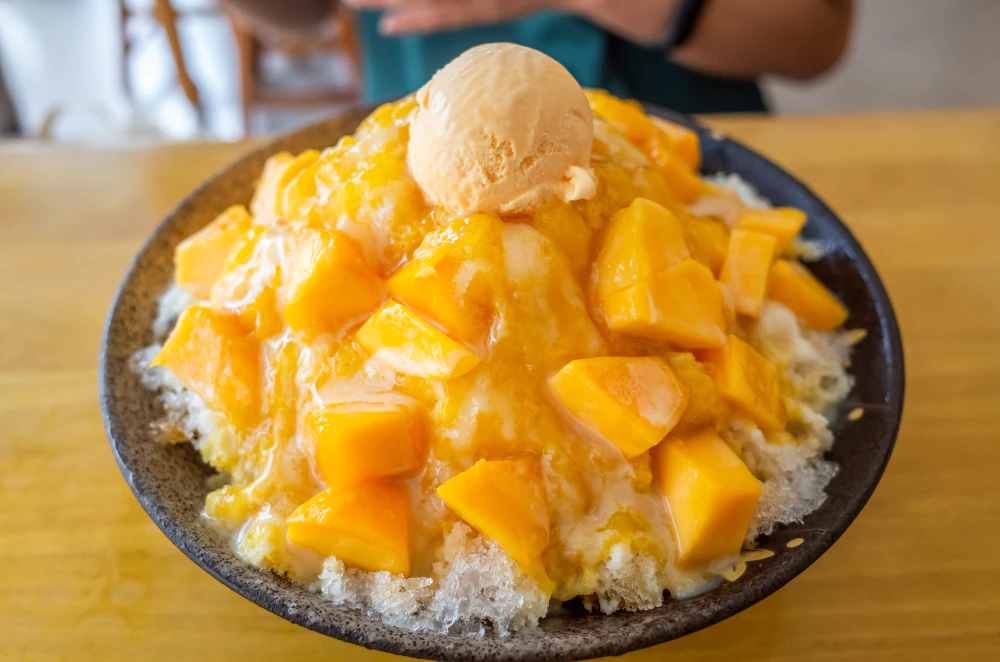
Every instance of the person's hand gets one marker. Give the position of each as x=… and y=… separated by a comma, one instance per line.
x=734, y=38
x=641, y=21
x=424, y=16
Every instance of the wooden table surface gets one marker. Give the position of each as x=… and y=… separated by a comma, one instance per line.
x=85, y=575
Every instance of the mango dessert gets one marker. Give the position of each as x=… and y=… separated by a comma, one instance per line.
x=501, y=348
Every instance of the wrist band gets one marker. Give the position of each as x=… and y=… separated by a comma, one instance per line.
x=683, y=24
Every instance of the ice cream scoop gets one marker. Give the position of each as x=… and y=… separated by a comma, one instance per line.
x=502, y=128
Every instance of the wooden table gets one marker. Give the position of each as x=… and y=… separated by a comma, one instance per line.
x=84, y=574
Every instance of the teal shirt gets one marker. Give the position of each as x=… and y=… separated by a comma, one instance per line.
x=395, y=66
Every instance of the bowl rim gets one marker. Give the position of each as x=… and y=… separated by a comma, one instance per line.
x=449, y=647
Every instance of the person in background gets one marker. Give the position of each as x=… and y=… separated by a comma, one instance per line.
x=695, y=56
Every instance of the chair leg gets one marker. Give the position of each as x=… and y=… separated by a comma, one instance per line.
x=167, y=17
x=126, y=49
x=350, y=47
x=249, y=50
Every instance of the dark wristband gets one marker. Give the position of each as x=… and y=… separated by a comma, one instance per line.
x=683, y=24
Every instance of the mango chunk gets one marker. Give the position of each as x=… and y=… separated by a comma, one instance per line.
x=567, y=229
x=201, y=258
x=328, y=284
x=454, y=276
x=681, y=140
x=263, y=202
x=748, y=382
x=708, y=239
x=291, y=189
x=682, y=305
x=710, y=493
x=505, y=501
x=684, y=183
x=627, y=117
x=366, y=526
x=794, y=286
x=673, y=150
x=399, y=337
x=705, y=405
x=360, y=441
x=387, y=115
x=248, y=285
x=782, y=223
x=746, y=268
x=216, y=358
x=641, y=241
x=546, y=298
x=631, y=402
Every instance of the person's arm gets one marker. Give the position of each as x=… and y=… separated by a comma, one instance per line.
x=739, y=38
x=734, y=38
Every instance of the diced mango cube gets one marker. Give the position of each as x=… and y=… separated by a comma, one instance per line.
x=674, y=150
x=705, y=405
x=454, y=275
x=421, y=288
x=360, y=441
x=248, y=285
x=410, y=345
x=685, y=184
x=328, y=284
x=627, y=117
x=335, y=167
x=682, y=305
x=546, y=298
x=505, y=501
x=367, y=526
x=641, y=240
x=748, y=382
x=650, y=184
x=263, y=203
x=568, y=230
x=782, y=223
x=746, y=268
x=383, y=169
x=201, y=258
x=289, y=193
x=794, y=286
x=710, y=493
x=388, y=114
x=708, y=239
x=631, y=402
x=231, y=506
x=216, y=358
x=681, y=140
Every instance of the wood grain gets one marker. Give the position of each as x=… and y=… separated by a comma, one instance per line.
x=85, y=575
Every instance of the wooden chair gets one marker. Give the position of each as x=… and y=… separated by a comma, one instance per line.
x=9, y=126
x=254, y=39
x=165, y=14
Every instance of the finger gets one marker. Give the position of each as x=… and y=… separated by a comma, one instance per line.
x=431, y=18
x=384, y=4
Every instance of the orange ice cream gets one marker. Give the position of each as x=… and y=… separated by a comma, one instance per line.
x=502, y=129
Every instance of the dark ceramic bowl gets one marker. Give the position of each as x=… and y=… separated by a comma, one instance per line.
x=170, y=481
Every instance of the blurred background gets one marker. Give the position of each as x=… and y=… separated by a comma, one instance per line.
x=134, y=71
